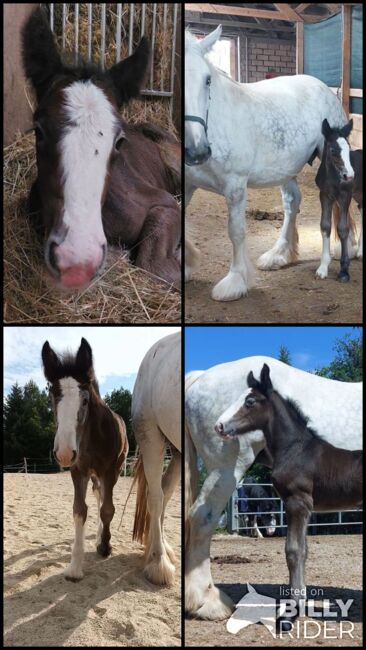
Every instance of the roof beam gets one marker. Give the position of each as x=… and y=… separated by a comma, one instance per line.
x=287, y=13
x=238, y=11
x=289, y=31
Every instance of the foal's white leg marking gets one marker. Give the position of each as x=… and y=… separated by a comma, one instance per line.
x=75, y=568
x=239, y=279
x=322, y=270
x=285, y=249
x=257, y=532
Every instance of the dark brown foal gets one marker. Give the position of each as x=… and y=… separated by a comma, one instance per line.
x=90, y=439
x=308, y=472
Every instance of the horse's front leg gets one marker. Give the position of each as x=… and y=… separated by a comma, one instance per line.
x=285, y=250
x=343, y=234
x=106, y=512
x=202, y=598
x=191, y=253
x=160, y=238
x=239, y=279
x=298, y=511
x=325, y=227
x=359, y=247
x=74, y=571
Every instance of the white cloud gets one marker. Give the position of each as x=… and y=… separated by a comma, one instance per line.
x=117, y=350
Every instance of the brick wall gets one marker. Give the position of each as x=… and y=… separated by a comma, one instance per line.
x=267, y=56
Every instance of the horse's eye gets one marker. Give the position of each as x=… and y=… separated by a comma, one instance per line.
x=250, y=401
x=85, y=401
x=118, y=142
x=208, y=81
x=40, y=134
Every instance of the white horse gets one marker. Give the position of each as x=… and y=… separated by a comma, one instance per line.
x=335, y=409
x=250, y=135
x=156, y=422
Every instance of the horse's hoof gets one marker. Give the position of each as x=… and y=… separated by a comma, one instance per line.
x=343, y=277
x=104, y=549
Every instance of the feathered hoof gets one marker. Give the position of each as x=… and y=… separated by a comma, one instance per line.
x=232, y=287
x=170, y=552
x=217, y=606
x=160, y=572
x=104, y=549
x=272, y=260
x=73, y=574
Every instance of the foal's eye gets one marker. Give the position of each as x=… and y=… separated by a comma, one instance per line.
x=208, y=81
x=250, y=401
x=118, y=142
x=85, y=401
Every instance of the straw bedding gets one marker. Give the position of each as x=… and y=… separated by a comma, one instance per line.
x=123, y=293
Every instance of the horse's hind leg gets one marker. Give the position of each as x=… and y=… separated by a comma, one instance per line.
x=285, y=250
x=170, y=480
x=158, y=567
x=98, y=496
x=191, y=253
x=325, y=227
x=239, y=279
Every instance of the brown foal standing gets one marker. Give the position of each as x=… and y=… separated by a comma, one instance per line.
x=90, y=439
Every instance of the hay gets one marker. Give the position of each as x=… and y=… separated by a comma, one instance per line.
x=123, y=293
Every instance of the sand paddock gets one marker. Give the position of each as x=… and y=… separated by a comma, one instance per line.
x=114, y=605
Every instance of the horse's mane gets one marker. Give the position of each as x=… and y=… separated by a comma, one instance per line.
x=300, y=417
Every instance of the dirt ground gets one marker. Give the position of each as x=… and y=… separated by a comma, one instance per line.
x=114, y=605
x=334, y=565
x=289, y=295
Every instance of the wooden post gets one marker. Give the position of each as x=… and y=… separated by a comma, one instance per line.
x=299, y=48
x=346, y=55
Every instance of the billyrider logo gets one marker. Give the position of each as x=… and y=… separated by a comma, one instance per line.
x=258, y=608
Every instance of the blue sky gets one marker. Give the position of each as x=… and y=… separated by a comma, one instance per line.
x=117, y=352
x=310, y=347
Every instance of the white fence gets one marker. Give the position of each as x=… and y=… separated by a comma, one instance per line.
x=48, y=465
x=155, y=20
x=233, y=514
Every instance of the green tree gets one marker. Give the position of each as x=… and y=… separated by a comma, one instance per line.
x=284, y=355
x=120, y=402
x=347, y=363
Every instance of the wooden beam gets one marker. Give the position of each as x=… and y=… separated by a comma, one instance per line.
x=346, y=56
x=299, y=48
x=353, y=92
x=195, y=17
x=236, y=11
x=287, y=13
x=302, y=7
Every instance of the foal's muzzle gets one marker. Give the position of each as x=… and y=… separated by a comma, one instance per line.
x=65, y=459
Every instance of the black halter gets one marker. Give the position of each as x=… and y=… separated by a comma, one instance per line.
x=200, y=120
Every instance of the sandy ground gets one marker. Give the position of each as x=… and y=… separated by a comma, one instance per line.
x=334, y=564
x=289, y=295
x=114, y=605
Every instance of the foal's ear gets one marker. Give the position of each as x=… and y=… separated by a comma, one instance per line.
x=252, y=383
x=51, y=362
x=128, y=76
x=326, y=130
x=41, y=60
x=346, y=129
x=84, y=357
x=265, y=378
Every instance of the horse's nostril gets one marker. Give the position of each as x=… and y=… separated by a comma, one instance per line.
x=219, y=427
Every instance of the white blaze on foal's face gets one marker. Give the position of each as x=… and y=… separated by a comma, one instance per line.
x=67, y=419
x=85, y=149
x=345, y=156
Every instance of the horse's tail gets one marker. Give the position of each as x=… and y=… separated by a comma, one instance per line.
x=141, y=524
x=352, y=243
x=191, y=467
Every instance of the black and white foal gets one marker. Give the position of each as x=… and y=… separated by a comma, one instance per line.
x=339, y=178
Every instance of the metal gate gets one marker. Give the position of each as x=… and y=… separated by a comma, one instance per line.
x=107, y=33
x=233, y=520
